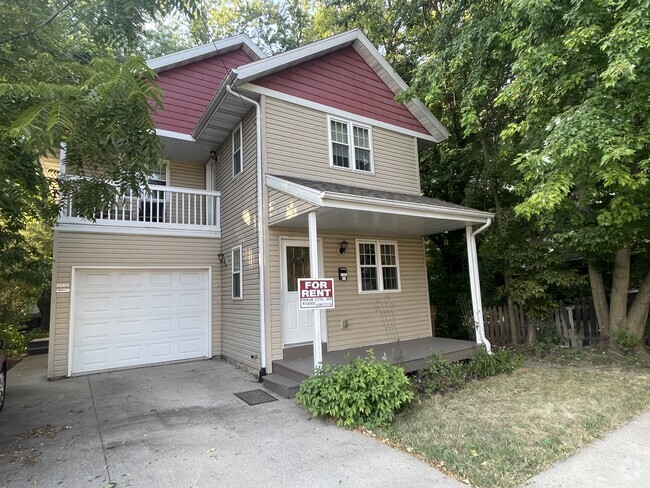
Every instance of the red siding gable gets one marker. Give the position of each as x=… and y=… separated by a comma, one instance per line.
x=189, y=89
x=343, y=80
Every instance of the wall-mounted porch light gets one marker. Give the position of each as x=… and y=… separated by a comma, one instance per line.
x=213, y=155
x=221, y=257
x=342, y=247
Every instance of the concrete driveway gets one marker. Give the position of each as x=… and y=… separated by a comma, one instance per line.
x=181, y=426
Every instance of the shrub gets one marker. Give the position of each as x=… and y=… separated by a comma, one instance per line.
x=626, y=342
x=364, y=392
x=439, y=376
x=484, y=365
x=14, y=340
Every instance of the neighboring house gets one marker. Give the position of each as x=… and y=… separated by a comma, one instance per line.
x=313, y=138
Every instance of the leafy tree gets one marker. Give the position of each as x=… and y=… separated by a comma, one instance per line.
x=273, y=26
x=581, y=80
x=66, y=77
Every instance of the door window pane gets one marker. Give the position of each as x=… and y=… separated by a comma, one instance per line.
x=297, y=266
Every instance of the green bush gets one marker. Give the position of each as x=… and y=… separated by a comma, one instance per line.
x=364, y=392
x=440, y=376
x=484, y=365
x=626, y=342
x=14, y=340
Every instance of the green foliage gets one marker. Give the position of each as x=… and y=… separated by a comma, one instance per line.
x=13, y=339
x=364, y=392
x=626, y=342
x=440, y=376
x=484, y=365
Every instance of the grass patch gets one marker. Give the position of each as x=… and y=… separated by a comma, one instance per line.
x=505, y=429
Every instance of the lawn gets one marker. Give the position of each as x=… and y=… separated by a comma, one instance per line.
x=503, y=430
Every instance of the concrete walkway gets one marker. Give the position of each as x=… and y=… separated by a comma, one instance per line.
x=619, y=460
x=181, y=426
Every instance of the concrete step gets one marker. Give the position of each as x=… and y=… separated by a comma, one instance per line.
x=281, y=385
x=288, y=371
x=38, y=346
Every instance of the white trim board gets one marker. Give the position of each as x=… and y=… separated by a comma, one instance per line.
x=174, y=135
x=180, y=58
x=336, y=112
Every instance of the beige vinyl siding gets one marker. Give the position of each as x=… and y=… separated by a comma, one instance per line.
x=285, y=207
x=124, y=250
x=366, y=324
x=241, y=319
x=297, y=145
x=187, y=175
x=51, y=166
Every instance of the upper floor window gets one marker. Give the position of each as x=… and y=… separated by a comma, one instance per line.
x=237, y=151
x=377, y=266
x=350, y=145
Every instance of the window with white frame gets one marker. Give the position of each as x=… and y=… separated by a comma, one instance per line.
x=377, y=266
x=237, y=151
x=350, y=145
x=237, y=279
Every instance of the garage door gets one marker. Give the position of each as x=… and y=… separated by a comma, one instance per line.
x=134, y=317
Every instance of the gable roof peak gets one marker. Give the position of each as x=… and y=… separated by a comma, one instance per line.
x=198, y=53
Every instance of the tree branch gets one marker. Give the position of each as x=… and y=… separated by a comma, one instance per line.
x=44, y=24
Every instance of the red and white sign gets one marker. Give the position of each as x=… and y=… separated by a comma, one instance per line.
x=315, y=294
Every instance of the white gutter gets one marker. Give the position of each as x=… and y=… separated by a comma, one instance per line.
x=260, y=228
x=475, y=283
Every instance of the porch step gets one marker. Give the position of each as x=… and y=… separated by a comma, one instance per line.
x=283, y=386
x=289, y=369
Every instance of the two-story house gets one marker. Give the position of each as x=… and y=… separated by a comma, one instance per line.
x=273, y=165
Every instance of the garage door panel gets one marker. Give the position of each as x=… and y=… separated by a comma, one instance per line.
x=97, y=279
x=159, y=320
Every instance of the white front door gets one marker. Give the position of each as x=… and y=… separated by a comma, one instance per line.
x=133, y=317
x=297, y=325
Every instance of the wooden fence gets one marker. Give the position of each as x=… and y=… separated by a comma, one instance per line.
x=575, y=324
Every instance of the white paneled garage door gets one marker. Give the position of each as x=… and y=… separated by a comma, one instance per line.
x=131, y=317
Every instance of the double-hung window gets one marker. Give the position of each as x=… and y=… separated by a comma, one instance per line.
x=237, y=279
x=350, y=145
x=377, y=266
x=237, y=151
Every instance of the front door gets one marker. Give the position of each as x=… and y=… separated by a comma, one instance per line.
x=297, y=325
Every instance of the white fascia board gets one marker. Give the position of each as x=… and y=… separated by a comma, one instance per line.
x=186, y=56
x=286, y=59
x=174, y=135
x=336, y=112
x=369, y=204
x=301, y=192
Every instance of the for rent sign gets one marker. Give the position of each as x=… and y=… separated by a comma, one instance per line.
x=315, y=293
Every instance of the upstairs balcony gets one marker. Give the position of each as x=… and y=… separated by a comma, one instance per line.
x=164, y=210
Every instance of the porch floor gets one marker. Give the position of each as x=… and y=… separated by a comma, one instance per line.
x=411, y=354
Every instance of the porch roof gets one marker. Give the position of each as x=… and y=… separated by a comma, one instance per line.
x=350, y=208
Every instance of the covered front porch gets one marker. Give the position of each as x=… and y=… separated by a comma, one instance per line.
x=411, y=354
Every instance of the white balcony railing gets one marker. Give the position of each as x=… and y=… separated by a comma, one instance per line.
x=163, y=207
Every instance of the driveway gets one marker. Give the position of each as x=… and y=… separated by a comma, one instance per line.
x=180, y=425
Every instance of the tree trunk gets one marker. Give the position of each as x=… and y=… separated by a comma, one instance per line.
x=531, y=337
x=600, y=303
x=638, y=315
x=620, y=286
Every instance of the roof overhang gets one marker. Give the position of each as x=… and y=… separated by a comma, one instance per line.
x=192, y=55
x=223, y=103
x=183, y=147
x=363, y=214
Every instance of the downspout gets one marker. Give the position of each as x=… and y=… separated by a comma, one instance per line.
x=260, y=228
x=474, y=269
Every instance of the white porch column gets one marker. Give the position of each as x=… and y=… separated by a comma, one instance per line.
x=313, y=266
x=475, y=284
